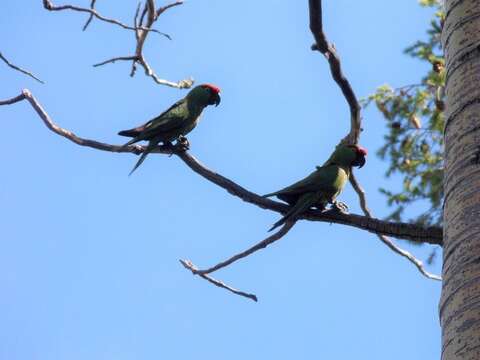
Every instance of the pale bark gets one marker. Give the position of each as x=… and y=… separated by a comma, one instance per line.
x=460, y=301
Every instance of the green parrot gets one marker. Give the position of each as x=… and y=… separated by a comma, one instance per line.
x=175, y=122
x=323, y=185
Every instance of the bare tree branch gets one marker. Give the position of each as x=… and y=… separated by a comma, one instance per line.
x=90, y=18
x=15, y=67
x=261, y=245
x=47, y=4
x=162, y=9
x=330, y=53
x=188, y=265
x=387, y=241
x=432, y=235
x=14, y=100
x=119, y=58
x=151, y=16
x=412, y=232
x=141, y=28
x=328, y=50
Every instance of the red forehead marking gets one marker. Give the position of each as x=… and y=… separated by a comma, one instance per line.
x=360, y=149
x=212, y=87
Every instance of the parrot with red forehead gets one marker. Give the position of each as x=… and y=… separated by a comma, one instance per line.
x=175, y=122
x=323, y=185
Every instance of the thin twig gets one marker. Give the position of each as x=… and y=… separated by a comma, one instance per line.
x=330, y=53
x=47, y=4
x=432, y=235
x=385, y=239
x=90, y=18
x=119, y=58
x=182, y=84
x=15, y=67
x=142, y=21
x=188, y=265
x=261, y=245
x=162, y=9
x=141, y=27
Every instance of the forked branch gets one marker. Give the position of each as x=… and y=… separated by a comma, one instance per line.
x=261, y=245
x=328, y=50
x=188, y=265
x=48, y=5
x=90, y=18
x=141, y=27
x=385, y=239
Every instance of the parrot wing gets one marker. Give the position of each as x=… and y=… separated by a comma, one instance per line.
x=320, y=186
x=323, y=179
x=171, y=118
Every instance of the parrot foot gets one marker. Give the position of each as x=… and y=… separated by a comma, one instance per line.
x=183, y=143
x=340, y=206
x=167, y=145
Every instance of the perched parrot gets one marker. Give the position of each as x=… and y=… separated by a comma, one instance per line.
x=175, y=122
x=323, y=185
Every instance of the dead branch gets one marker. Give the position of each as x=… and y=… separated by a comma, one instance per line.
x=23, y=71
x=119, y=58
x=47, y=4
x=90, y=18
x=261, y=245
x=330, y=53
x=188, y=265
x=328, y=50
x=152, y=15
x=141, y=28
x=385, y=239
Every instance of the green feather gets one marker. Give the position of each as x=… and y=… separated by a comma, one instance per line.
x=178, y=120
x=320, y=187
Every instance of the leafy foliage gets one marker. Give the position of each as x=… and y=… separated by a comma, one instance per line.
x=415, y=121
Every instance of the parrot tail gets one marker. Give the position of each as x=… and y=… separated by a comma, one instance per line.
x=303, y=204
x=132, y=132
x=142, y=157
x=129, y=133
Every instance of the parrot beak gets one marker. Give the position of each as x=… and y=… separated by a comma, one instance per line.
x=360, y=161
x=215, y=99
x=360, y=154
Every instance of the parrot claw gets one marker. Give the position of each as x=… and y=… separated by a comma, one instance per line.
x=340, y=206
x=183, y=143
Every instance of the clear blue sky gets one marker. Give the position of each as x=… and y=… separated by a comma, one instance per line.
x=89, y=256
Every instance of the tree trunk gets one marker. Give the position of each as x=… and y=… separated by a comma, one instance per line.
x=460, y=301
